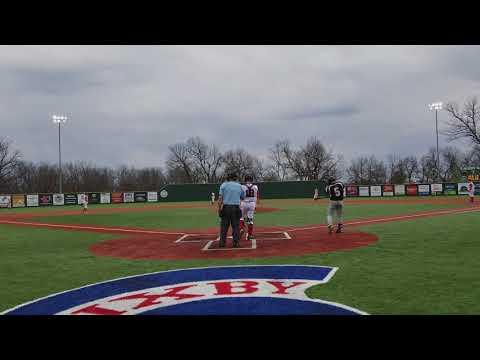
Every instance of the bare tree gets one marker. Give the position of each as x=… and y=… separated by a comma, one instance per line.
x=464, y=124
x=451, y=163
x=472, y=158
x=279, y=161
x=310, y=162
x=242, y=163
x=367, y=171
x=9, y=159
x=411, y=167
x=207, y=159
x=428, y=166
x=180, y=164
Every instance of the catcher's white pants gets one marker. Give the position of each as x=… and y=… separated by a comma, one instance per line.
x=248, y=209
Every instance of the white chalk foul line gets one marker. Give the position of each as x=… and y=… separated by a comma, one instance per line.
x=94, y=228
x=394, y=218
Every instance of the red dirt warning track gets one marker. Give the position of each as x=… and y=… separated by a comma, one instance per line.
x=203, y=244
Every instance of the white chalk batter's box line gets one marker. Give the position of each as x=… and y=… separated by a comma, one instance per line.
x=207, y=247
x=282, y=235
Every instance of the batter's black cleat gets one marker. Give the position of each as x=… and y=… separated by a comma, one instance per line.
x=236, y=244
x=339, y=228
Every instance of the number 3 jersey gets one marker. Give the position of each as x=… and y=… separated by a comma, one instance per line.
x=335, y=191
x=251, y=193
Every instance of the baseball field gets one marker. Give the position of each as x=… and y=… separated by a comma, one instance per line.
x=409, y=255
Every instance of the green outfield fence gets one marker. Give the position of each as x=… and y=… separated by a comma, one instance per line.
x=202, y=192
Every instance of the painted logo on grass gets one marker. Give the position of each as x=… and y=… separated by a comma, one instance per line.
x=228, y=290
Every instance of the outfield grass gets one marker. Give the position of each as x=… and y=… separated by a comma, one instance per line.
x=425, y=266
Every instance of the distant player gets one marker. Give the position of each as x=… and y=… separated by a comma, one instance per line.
x=248, y=206
x=212, y=199
x=471, y=191
x=315, y=194
x=85, y=203
x=335, y=191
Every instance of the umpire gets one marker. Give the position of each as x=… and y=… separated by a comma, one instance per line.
x=229, y=197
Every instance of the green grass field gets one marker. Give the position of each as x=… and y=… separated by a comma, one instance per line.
x=420, y=266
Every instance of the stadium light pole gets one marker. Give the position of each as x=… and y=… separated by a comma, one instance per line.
x=437, y=106
x=59, y=119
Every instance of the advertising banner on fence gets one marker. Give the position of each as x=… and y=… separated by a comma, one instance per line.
x=477, y=188
x=70, y=199
x=58, y=199
x=105, y=198
x=412, y=189
x=45, y=199
x=129, y=197
x=32, y=200
x=424, y=189
x=437, y=188
x=5, y=201
x=462, y=189
x=80, y=198
x=140, y=196
x=163, y=194
x=364, y=190
x=399, y=190
x=387, y=190
x=152, y=196
x=18, y=201
x=352, y=190
x=94, y=198
x=450, y=189
x=117, y=198
x=376, y=190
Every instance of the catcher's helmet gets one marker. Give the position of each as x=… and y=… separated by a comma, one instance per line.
x=249, y=178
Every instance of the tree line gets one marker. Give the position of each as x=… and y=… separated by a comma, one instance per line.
x=196, y=161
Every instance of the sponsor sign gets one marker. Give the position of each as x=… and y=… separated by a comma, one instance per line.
x=45, y=199
x=473, y=177
x=450, y=189
x=58, y=199
x=18, y=201
x=437, y=188
x=412, y=189
x=424, y=189
x=352, y=190
x=477, y=188
x=163, y=194
x=462, y=189
x=399, y=190
x=105, y=198
x=227, y=290
x=376, y=190
x=364, y=190
x=152, y=196
x=5, y=201
x=128, y=197
x=32, y=200
x=387, y=190
x=140, y=196
x=94, y=198
x=117, y=198
x=71, y=199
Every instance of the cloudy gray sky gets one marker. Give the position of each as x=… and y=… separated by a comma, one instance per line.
x=128, y=103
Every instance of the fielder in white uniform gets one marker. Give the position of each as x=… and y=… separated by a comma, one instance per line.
x=212, y=199
x=248, y=206
x=85, y=203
